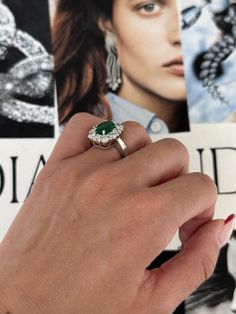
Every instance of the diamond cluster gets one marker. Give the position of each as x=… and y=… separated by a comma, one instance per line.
x=104, y=140
x=214, y=57
x=31, y=77
x=24, y=112
x=7, y=29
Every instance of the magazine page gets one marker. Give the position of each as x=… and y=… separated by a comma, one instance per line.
x=208, y=41
x=27, y=109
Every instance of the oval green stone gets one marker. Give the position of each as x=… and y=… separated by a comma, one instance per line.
x=105, y=127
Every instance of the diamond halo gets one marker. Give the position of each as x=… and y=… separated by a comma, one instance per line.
x=105, y=134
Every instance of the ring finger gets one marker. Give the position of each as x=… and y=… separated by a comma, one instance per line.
x=74, y=140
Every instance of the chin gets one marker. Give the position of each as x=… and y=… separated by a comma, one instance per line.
x=175, y=90
x=179, y=93
x=180, y=98
x=176, y=97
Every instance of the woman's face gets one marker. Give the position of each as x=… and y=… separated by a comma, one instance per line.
x=147, y=37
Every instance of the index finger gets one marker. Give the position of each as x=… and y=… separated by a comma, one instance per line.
x=74, y=139
x=160, y=211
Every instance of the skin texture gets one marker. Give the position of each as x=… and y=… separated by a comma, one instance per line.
x=87, y=232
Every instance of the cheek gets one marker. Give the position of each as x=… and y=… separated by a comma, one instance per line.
x=131, y=51
x=142, y=50
x=139, y=47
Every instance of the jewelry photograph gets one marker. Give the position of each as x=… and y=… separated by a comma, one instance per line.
x=26, y=71
x=209, y=41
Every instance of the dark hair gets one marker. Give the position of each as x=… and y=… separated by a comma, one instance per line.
x=78, y=46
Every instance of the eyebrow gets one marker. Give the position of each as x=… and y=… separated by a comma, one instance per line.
x=157, y=1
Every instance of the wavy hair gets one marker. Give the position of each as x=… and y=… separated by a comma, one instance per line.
x=80, y=67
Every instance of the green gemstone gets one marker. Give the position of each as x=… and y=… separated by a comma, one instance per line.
x=105, y=127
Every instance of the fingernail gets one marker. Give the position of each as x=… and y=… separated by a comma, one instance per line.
x=227, y=231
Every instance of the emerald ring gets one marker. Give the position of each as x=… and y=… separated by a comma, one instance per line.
x=106, y=135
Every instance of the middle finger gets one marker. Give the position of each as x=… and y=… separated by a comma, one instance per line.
x=156, y=163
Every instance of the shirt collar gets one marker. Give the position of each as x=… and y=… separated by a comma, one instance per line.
x=124, y=110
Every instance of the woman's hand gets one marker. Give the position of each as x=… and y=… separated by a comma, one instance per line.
x=93, y=223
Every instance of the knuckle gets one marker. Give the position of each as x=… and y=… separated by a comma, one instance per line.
x=208, y=266
x=46, y=174
x=81, y=118
x=209, y=185
x=45, y=181
x=53, y=177
x=139, y=135
x=177, y=147
x=139, y=129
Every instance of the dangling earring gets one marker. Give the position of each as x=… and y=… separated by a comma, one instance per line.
x=216, y=55
x=113, y=64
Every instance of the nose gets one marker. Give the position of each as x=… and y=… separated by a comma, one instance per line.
x=174, y=32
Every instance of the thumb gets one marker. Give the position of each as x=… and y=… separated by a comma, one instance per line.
x=181, y=275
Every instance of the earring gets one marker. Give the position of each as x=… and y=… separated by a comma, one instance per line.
x=112, y=64
x=213, y=58
x=216, y=55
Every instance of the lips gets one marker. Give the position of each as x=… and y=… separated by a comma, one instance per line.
x=175, y=66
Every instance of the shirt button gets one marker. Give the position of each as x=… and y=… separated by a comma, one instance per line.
x=156, y=127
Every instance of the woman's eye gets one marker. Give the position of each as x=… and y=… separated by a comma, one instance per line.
x=150, y=8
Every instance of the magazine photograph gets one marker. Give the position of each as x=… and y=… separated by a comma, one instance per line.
x=114, y=72
x=209, y=49
x=28, y=122
x=26, y=68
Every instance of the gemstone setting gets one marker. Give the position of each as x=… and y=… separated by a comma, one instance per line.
x=105, y=134
x=105, y=128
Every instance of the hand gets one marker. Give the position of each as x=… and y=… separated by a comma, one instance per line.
x=94, y=222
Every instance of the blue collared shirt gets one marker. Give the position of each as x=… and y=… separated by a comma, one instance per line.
x=123, y=110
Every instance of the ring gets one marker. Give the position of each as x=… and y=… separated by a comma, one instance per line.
x=106, y=135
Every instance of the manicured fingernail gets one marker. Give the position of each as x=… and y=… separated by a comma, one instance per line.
x=227, y=231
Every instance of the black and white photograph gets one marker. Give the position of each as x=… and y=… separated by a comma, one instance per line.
x=121, y=60
x=209, y=39
x=161, y=259
x=27, y=107
x=218, y=294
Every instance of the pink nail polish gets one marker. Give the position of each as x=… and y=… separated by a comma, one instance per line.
x=227, y=230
